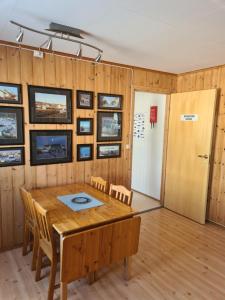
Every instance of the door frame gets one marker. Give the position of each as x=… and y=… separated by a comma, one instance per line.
x=165, y=138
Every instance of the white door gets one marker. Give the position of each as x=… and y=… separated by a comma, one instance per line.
x=147, y=152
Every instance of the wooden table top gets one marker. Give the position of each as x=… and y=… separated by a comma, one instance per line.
x=65, y=220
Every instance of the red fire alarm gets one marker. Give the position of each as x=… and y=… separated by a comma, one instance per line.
x=153, y=115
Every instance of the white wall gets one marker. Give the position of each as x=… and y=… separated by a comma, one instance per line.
x=147, y=152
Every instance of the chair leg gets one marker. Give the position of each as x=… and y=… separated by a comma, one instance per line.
x=35, y=249
x=127, y=268
x=63, y=291
x=26, y=235
x=39, y=264
x=92, y=277
x=52, y=279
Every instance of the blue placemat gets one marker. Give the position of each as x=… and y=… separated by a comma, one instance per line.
x=66, y=199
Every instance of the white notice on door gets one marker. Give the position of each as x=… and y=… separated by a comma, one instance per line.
x=192, y=117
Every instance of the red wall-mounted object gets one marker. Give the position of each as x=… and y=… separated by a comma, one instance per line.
x=153, y=115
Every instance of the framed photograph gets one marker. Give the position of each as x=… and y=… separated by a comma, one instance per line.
x=50, y=105
x=84, y=126
x=10, y=93
x=85, y=99
x=108, y=150
x=84, y=152
x=11, y=125
x=11, y=156
x=110, y=101
x=50, y=147
x=109, y=127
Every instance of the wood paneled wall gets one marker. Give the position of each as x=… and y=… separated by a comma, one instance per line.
x=207, y=79
x=19, y=66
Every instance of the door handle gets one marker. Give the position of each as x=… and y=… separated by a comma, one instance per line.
x=203, y=156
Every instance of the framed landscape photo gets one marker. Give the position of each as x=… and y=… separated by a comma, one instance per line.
x=84, y=126
x=10, y=93
x=110, y=101
x=108, y=150
x=85, y=99
x=50, y=147
x=11, y=125
x=11, y=156
x=84, y=152
x=50, y=105
x=109, y=126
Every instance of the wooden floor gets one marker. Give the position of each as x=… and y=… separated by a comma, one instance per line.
x=141, y=202
x=177, y=259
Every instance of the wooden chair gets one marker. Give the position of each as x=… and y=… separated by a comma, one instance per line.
x=88, y=251
x=47, y=246
x=99, y=183
x=30, y=226
x=121, y=193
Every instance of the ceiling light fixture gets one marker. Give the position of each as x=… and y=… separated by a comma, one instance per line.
x=58, y=35
x=98, y=58
x=19, y=37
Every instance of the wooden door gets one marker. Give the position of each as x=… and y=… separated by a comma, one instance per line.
x=191, y=124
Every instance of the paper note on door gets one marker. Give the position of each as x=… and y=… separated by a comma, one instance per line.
x=189, y=118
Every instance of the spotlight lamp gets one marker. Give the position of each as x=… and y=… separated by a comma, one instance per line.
x=79, y=51
x=98, y=57
x=19, y=37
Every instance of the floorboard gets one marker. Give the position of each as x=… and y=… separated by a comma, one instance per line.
x=178, y=259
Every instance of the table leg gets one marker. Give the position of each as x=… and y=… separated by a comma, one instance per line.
x=127, y=268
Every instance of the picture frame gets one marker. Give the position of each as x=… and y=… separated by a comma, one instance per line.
x=12, y=156
x=110, y=101
x=48, y=105
x=109, y=126
x=10, y=93
x=84, y=126
x=84, y=152
x=50, y=147
x=108, y=150
x=11, y=125
x=85, y=99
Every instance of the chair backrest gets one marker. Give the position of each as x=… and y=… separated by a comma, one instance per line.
x=99, y=183
x=28, y=206
x=93, y=249
x=45, y=231
x=121, y=193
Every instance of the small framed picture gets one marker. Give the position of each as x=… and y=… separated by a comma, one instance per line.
x=11, y=125
x=11, y=156
x=50, y=105
x=110, y=101
x=84, y=126
x=50, y=147
x=108, y=150
x=85, y=99
x=10, y=93
x=109, y=127
x=84, y=152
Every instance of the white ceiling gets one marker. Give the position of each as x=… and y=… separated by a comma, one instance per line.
x=168, y=35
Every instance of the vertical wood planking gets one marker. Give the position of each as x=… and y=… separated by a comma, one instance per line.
x=19, y=66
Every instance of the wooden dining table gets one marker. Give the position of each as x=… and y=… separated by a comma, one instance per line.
x=66, y=221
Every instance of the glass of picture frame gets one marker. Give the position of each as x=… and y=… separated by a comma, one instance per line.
x=10, y=93
x=11, y=125
x=84, y=126
x=11, y=156
x=84, y=152
x=50, y=146
x=108, y=150
x=109, y=126
x=49, y=105
x=110, y=101
x=85, y=99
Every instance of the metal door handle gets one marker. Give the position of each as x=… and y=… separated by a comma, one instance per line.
x=203, y=156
